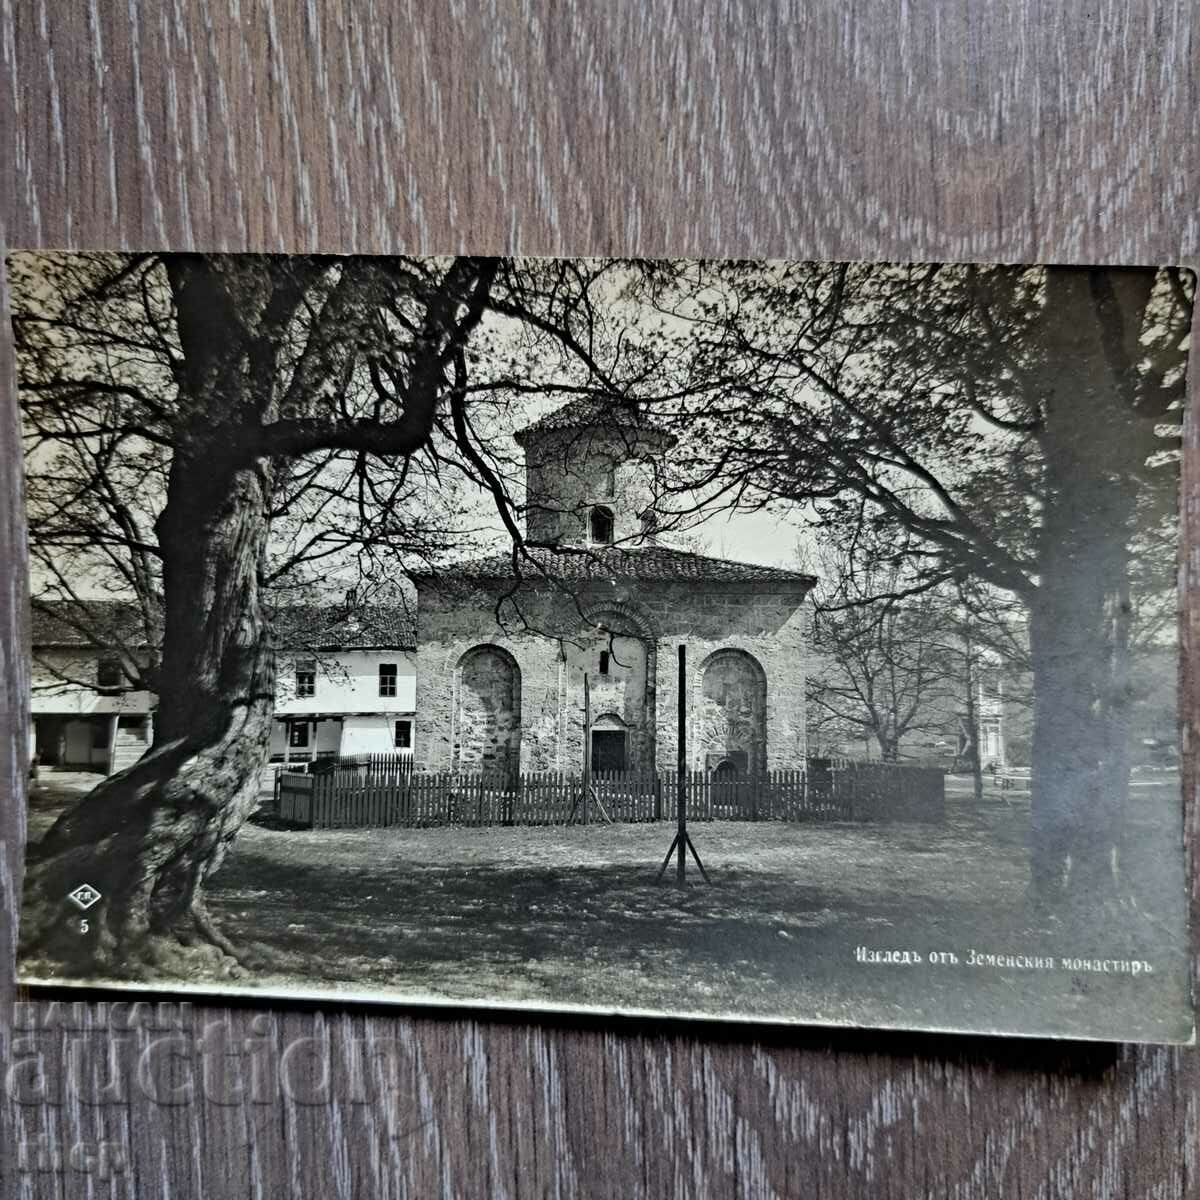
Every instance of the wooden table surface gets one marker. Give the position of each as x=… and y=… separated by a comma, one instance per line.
x=1020, y=131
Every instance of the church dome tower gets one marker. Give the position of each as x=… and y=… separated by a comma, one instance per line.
x=552, y=659
x=589, y=475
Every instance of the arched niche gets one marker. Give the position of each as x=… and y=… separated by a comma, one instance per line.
x=616, y=647
x=732, y=718
x=487, y=710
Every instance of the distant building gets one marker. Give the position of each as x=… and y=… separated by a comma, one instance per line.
x=345, y=684
x=502, y=658
x=989, y=703
x=84, y=713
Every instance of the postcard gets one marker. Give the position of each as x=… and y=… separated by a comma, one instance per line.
x=761, y=641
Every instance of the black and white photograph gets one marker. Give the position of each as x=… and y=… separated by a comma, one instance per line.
x=762, y=641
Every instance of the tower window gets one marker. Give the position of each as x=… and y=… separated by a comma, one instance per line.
x=601, y=524
x=603, y=662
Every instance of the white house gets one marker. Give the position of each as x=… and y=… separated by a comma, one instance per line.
x=346, y=684
x=85, y=713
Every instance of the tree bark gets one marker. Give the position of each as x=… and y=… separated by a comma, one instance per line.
x=253, y=391
x=1091, y=455
x=148, y=837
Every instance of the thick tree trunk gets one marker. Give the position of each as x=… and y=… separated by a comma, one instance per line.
x=149, y=837
x=255, y=386
x=1118, y=705
x=1091, y=449
x=1070, y=828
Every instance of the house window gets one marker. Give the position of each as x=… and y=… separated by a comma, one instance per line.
x=604, y=660
x=100, y=734
x=109, y=675
x=306, y=680
x=403, y=735
x=601, y=524
x=387, y=679
x=298, y=735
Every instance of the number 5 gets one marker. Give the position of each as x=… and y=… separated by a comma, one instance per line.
x=83, y=925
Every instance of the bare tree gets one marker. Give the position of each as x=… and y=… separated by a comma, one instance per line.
x=1011, y=426
x=885, y=666
x=181, y=411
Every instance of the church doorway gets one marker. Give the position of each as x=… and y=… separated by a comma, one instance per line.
x=729, y=766
x=609, y=751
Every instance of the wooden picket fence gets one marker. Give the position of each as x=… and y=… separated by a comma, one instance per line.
x=376, y=764
x=358, y=795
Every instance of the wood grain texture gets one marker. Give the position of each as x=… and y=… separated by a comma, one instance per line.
x=1021, y=131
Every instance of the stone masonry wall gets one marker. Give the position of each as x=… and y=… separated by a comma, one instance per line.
x=547, y=641
x=570, y=470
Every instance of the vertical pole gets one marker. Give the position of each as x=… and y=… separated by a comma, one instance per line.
x=587, y=746
x=681, y=765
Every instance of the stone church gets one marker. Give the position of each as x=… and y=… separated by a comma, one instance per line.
x=504, y=645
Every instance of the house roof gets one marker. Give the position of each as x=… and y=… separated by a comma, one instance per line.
x=106, y=623
x=590, y=412
x=98, y=623
x=626, y=562
x=333, y=627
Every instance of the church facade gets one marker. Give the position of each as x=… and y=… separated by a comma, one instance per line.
x=522, y=662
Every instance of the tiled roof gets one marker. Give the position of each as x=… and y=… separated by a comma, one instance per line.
x=332, y=627
x=621, y=562
x=588, y=413
x=104, y=623
x=97, y=623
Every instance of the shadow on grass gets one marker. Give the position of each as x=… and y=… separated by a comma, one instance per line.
x=573, y=916
x=754, y=943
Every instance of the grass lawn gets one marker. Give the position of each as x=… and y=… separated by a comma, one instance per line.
x=572, y=916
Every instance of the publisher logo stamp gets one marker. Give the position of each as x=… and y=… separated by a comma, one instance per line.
x=84, y=896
